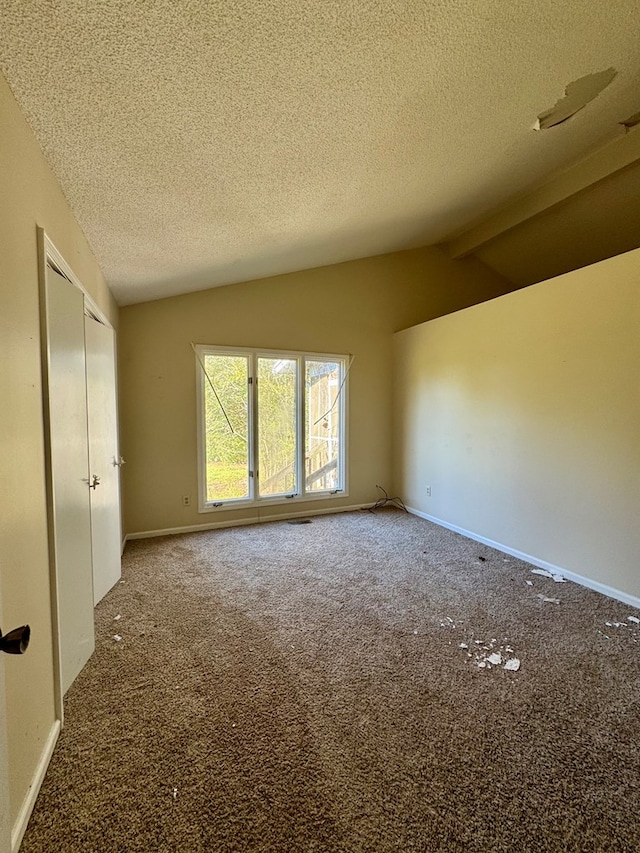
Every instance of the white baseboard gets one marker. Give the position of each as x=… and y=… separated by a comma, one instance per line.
x=20, y=826
x=611, y=592
x=215, y=525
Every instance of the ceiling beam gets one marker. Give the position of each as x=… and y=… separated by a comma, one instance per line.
x=618, y=154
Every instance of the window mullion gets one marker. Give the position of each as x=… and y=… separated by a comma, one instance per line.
x=300, y=448
x=253, y=424
x=342, y=435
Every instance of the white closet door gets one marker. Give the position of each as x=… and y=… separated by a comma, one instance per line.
x=103, y=456
x=69, y=474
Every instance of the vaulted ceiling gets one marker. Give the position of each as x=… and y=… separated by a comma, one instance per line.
x=205, y=143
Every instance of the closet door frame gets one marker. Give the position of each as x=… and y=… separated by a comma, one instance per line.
x=48, y=255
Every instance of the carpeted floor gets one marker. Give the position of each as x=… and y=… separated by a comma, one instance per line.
x=330, y=687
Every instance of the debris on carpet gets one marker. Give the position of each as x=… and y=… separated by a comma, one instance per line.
x=545, y=574
x=489, y=655
x=632, y=623
x=486, y=654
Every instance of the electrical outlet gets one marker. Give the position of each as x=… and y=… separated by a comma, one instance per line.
x=428, y=490
x=186, y=500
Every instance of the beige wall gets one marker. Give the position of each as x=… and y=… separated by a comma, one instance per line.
x=30, y=196
x=346, y=308
x=523, y=415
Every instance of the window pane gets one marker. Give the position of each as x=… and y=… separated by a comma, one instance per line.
x=226, y=427
x=322, y=425
x=277, y=426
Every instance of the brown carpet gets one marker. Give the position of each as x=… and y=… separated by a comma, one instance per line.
x=307, y=688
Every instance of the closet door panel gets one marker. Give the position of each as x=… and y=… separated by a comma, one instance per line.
x=70, y=509
x=104, y=456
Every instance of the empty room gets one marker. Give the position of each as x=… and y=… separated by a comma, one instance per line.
x=320, y=421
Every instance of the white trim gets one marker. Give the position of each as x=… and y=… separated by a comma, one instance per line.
x=215, y=525
x=19, y=828
x=51, y=253
x=589, y=583
x=300, y=426
x=273, y=353
x=47, y=251
x=276, y=500
x=252, y=356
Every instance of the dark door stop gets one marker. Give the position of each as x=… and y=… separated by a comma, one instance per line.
x=16, y=641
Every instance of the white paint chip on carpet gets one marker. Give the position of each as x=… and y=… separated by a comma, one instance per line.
x=485, y=656
x=545, y=574
x=117, y=637
x=632, y=623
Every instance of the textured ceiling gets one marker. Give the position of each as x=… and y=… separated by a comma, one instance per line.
x=203, y=143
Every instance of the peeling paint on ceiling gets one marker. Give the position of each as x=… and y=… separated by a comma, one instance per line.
x=576, y=96
x=632, y=121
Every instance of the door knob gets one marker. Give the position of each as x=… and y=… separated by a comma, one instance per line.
x=16, y=641
x=96, y=482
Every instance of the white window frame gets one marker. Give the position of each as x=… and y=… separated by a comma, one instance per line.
x=254, y=499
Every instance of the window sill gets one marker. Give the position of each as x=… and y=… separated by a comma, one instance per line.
x=278, y=500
